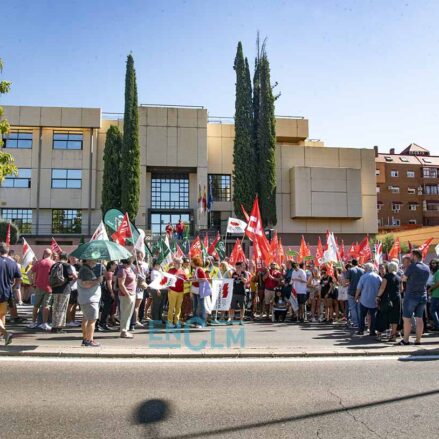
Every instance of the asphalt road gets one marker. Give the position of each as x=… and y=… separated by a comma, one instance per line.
x=344, y=398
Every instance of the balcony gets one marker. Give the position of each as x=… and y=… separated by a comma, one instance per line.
x=291, y=129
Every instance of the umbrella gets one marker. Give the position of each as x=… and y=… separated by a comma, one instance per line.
x=100, y=249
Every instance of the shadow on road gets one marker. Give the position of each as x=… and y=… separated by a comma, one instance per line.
x=149, y=413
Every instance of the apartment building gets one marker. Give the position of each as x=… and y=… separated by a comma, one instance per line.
x=407, y=188
x=59, y=153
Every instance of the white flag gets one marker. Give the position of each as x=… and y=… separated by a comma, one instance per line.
x=437, y=250
x=100, y=233
x=140, y=242
x=168, y=258
x=236, y=226
x=330, y=255
x=162, y=281
x=28, y=255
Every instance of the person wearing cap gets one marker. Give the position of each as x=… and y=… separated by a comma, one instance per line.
x=415, y=297
x=9, y=276
x=176, y=294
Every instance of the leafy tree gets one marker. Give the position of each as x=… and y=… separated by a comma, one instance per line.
x=15, y=234
x=130, y=163
x=111, y=182
x=7, y=163
x=388, y=241
x=266, y=140
x=244, y=160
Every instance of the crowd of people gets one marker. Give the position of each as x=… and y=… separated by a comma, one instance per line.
x=386, y=301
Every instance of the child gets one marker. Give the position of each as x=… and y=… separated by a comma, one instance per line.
x=279, y=306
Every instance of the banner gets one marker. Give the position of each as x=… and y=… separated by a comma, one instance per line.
x=100, y=233
x=222, y=292
x=236, y=226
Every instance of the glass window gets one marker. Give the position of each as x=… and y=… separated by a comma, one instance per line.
x=21, y=217
x=220, y=187
x=411, y=174
x=378, y=189
x=67, y=140
x=411, y=190
x=412, y=206
x=394, y=173
x=160, y=220
x=21, y=180
x=395, y=190
x=66, y=178
x=18, y=139
x=432, y=206
x=170, y=191
x=429, y=172
x=66, y=221
x=431, y=189
x=377, y=172
x=396, y=207
x=412, y=221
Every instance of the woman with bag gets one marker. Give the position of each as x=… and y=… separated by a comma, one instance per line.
x=200, y=289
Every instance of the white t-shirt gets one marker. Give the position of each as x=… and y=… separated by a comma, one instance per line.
x=297, y=275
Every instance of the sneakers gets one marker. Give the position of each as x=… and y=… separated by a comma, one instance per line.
x=139, y=325
x=90, y=344
x=8, y=338
x=126, y=335
x=33, y=325
x=45, y=327
x=73, y=324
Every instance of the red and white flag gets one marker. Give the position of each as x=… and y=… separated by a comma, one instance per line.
x=319, y=253
x=237, y=254
x=179, y=252
x=100, y=233
x=425, y=247
x=123, y=232
x=395, y=250
x=28, y=255
x=236, y=226
x=211, y=250
x=55, y=247
x=196, y=249
x=364, y=251
x=163, y=281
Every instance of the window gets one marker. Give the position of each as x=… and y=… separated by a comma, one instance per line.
x=412, y=206
x=221, y=187
x=411, y=174
x=66, y=178
x=18, y=139
x=66, y=221
x=426, y=160
x=411, y=190
x=388, y=159
x=380, y=222
x=394, y=173
x=404, y=159
x=429, y=172
x=432, y=206
x=377, y=172
x=412, y=221
x=21, y=217
x=22, y=180
x=378, y=189
x=396, y=222
x=67, y=140
x=394, y=189
x=170, y=191
x=379, y=206
x=160, y=220
x=396, y=207
x=431, y=189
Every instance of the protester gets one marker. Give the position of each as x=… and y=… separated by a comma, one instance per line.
x=271, y=280
x=43, y=292
x=299, y=280
x=179, y=228
x=108, y=295
x=415, y=296
x=314, y=289
x=156, y=295
x=169, y=230
x=353, y=276
x=176, y=294
x=127, y=283
x=61, y=274
x=327, y=293
x=240, y=278
x=199, y=276
x=434, y=294
x=142, y=271
x=89, y=296
x=73, y=299
x=186, y=306
x=280, y=306
x=9, y=276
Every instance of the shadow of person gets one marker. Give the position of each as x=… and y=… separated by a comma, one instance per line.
x=149, y=413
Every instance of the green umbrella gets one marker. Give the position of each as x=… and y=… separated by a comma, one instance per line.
x=99, y=249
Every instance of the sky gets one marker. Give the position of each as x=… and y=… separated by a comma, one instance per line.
x=364, y=72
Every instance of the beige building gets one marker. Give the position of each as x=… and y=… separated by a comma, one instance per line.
x=59, y=152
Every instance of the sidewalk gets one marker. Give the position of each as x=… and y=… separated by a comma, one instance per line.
x=253, y=339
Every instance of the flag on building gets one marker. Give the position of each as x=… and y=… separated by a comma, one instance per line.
x=200, y=199
x=123, y=232
x=100, y=234
x=55, y=247
x=8, y=235
x=210, y=196
x=28, y=255
x=204, y=200
x=163, y=281
x=425, y=247
x=395, y=250
x=235, y=226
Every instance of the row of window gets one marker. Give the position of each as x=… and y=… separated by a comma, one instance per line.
x=395, y=222
x=61, y=179
x=429, y=189
x=60, y=140
x=426, y=173
x=63, y=220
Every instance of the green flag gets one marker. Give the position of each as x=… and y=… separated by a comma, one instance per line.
x=162, y=251
x=220, y=249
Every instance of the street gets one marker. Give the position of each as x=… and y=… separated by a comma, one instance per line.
x=291, y=398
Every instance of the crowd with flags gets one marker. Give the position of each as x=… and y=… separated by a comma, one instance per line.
x=122, y=284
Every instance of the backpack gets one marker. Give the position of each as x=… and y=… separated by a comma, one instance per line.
x=56, y=276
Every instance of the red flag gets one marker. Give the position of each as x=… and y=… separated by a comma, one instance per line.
x=341, y=251
x=274, y=244
x=206, y=241
x=280, y=252
x=303, y=250
x=256, y=251
x=8, y=235
x=326, y=242
x=244, y=213
x=211, y=250
x=55, y=247
x=352, y=253
x=364, y=251
x=195, y=249
x=179, y=253
x=424, y=247
x=319, y=253
x=123, y=232
x=395, y=250
x=237, y=254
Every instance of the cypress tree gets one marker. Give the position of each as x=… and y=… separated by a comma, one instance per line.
x=266, y=141
x=111, y=182
x=130, y=163
x=244, y=172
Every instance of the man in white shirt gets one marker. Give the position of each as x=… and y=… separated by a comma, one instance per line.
x=299, y=282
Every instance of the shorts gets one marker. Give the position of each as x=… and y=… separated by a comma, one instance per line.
x=268, y=296
x=90, y=311
x=301, y=299
x=73, y=300
x=139, y=295
x=3, y=307
x=237, y=301
x=414, y=305
x=42, y=298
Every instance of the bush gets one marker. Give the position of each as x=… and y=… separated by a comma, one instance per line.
x=15, y=233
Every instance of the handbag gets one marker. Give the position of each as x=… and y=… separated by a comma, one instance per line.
x=205, y=289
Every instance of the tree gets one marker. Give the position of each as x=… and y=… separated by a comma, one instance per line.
x=130, y=163
x=244, y=160
x=112, y=181
x=266, y=143
x=7, y=163
x=15, y=234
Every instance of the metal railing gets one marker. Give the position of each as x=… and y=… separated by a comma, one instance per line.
x=198, y=107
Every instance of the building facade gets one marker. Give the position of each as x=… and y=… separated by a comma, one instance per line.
x=59, y=153
x=407, y=188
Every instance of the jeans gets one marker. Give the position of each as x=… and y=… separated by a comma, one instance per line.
x=107, y=304
x=354, y=310
x=199, y=309
x=434, y=309
x=363, y=313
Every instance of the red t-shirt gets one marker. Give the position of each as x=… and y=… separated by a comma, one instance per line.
x=42, y=270
x=179, y=285
x=169, y=229
x=200, y=274
x=179, y=227
x=271, y=284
